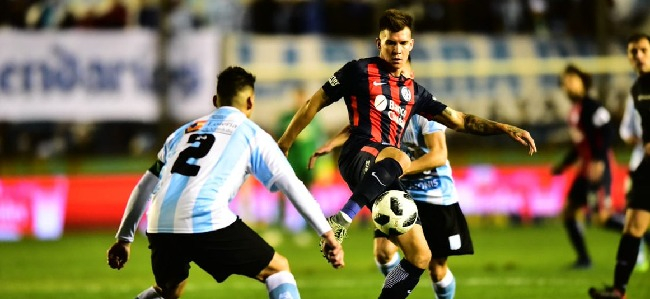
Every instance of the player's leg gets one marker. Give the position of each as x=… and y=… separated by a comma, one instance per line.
x=402, y=279
x=636, y=224
x=388, y=167
x=237, y=249
x=637, y=219
x=170, y=263
x=278, y=278
x=447, y=234
x=576, y=199
x=386, y=253
x=444, y=282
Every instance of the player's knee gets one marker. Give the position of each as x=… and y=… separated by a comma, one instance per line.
x=383, y=255
x=421, y=259
x=437, y=270
x=393, y=153
x=277, y=264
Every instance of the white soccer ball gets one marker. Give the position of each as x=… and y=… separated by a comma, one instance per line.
x=394, y=212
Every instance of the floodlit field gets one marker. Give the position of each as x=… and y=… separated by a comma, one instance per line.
x=510, y=262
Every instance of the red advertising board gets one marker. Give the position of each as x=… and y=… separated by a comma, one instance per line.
x=45, y=206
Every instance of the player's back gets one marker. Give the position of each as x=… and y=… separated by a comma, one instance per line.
x=206, y=162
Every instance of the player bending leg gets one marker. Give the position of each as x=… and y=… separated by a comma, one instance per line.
x=199, y=170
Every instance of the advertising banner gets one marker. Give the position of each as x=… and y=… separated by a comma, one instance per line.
x=103, y=75
x=43, y=207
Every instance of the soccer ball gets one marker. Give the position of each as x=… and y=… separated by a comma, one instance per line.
x=394, y=212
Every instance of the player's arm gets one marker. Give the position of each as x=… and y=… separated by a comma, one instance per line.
x=330, y=145
x=271, y=168
x=472, y=124
x=301, y=119
x=118, y=253
x=628, y=129
x=436, y=142
x=599, y=145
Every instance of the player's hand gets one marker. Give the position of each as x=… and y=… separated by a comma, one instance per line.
x=118, y=254
x=522, y=136
x=322, y=151
x=333, y=251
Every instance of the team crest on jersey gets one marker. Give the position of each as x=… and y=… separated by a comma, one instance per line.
x=195, y=126
x=406, y=93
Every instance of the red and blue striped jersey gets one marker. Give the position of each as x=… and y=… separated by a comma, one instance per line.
x=379, y=104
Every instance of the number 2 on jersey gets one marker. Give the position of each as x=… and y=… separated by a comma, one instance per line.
x=181, y=166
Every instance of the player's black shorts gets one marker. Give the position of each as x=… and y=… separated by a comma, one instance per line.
x=356, y=157
x=579, y=190
x=235, y=249
x=639, y=196
x=445, y=229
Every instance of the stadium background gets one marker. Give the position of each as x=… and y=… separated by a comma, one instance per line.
x=89, y=89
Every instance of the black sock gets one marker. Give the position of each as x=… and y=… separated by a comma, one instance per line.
x=615, y=222
x=628, y=249
x=577, y=239
x=401, y=281
x=376, y=181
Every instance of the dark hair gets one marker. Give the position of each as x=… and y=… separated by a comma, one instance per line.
x=230, y=82
x=585, y=77
x=395, y=20
x=637, y=37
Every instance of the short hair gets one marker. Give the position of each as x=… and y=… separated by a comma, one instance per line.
x=575, y=70
x=395, y=20
x=637, y=37
x=230, y=82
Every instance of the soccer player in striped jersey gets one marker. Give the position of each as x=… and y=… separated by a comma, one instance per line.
x=429, y=181
x=199, y=171
x=381, y=96
x=637, y=216
x=591, y=135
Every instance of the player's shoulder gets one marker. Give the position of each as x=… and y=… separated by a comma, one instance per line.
x=642, y=82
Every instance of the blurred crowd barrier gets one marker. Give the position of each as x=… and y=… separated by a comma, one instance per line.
x=44, y=207
x=66, y=92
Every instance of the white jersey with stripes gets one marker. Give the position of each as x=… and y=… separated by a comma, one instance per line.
x=434, y=186
x=205, y=163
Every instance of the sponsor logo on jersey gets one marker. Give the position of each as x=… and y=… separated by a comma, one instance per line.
x=195, y=126
x=333, y=81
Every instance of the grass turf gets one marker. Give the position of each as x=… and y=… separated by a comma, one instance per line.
x=510, y=262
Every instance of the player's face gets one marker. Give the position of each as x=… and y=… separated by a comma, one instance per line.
x=573, y=86
x=638, y=53
x=395, y=47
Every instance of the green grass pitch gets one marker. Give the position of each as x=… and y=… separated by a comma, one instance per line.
x=510, y=262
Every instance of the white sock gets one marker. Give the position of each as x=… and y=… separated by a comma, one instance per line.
x=149, y=293
x=445, y=281
x=282, y=285
x=387, y=267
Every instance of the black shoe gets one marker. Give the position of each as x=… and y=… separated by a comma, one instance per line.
x=581, y=264
x=606, y=293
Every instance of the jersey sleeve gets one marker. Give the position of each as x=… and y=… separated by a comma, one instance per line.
x=427, y=105
x=430, y=127
x=338, y=85
x=600, y=126
x=271, y=168
x=643, y=93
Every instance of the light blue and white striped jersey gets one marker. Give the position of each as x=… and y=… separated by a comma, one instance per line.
x=437, y=185
x=631, y=127
x=206, y=162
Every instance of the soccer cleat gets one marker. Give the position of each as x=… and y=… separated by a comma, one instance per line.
x=581, y=264
x=606, y=293
x=340, y=228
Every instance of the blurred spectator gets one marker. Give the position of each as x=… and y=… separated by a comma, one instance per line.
x=262, y=16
